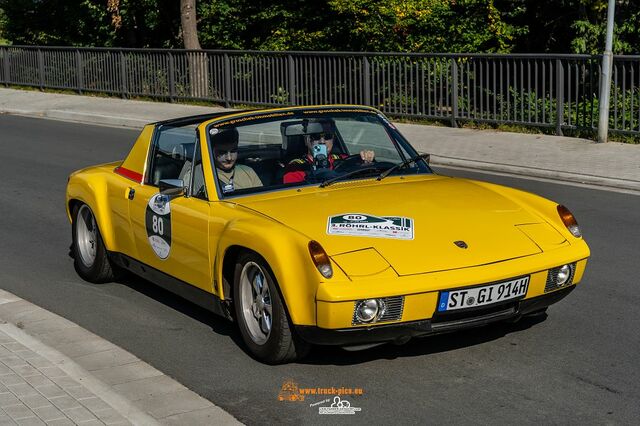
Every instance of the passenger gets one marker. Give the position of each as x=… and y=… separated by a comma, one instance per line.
x=231, y=176
x=319, y=156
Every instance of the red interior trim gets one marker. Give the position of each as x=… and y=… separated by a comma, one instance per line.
x=130, y=174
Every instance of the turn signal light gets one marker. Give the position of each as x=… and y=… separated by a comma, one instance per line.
x=320, y=259
x=569, y=221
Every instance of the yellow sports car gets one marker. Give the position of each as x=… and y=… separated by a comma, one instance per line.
x=319, y=225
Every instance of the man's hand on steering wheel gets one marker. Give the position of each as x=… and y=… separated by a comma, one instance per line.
x=367, y=156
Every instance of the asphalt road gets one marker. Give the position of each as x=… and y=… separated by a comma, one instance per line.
x=578, y=366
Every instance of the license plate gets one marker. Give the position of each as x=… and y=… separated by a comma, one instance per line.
x=481, y=296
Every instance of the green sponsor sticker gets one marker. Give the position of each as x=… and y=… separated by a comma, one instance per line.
x=365, y=225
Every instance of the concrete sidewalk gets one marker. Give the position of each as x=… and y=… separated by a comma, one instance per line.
x=612, y=165
x=54, y=372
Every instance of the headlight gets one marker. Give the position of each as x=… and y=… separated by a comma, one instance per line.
x=367, y=310
x=564, y=273
x=320, y=259
x=569, y=221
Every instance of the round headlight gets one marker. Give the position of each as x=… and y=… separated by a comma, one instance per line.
x=564, y=274
x=367, y=310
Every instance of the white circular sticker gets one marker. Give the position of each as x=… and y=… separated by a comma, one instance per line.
x=158, y=224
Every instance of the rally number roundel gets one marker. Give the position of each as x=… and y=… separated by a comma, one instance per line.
x=158, y=224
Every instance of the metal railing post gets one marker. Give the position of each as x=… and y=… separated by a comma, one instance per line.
x=292, y=79
x=454, y=92
x=40, y=69
x=227, y=81
x=172, y=80
x=366, y=77
x=123, y=76
x=79, y=72
x=559, y=97
x=6, y=66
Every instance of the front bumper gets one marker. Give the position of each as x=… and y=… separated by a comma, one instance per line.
x=440, y=323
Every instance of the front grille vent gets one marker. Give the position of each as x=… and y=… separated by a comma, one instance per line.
x=552, y=276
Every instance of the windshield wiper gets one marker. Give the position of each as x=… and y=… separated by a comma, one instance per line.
x=402, y=164
x=346, y=175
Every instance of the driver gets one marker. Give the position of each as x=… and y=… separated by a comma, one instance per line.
x=319, y=156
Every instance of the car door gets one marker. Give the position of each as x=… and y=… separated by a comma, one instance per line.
x=172, y=233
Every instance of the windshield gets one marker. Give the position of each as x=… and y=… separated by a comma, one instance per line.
x=272, y=151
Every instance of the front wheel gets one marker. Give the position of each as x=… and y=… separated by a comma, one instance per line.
x=261, y=314
x=89, y=254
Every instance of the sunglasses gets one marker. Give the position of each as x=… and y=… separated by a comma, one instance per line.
x=326, y=136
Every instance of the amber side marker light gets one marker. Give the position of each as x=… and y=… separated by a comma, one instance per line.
x=569, y=221
x=320, y=259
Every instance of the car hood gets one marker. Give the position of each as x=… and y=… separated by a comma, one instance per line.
x=412, y=225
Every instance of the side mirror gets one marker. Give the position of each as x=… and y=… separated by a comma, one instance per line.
x=172, y=187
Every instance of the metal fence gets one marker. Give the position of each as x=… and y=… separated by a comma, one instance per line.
x=556, y=91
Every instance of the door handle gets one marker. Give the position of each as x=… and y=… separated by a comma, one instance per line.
x=132, y=193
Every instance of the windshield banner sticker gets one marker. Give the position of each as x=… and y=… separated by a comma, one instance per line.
x=364, y=225
x=158, y=224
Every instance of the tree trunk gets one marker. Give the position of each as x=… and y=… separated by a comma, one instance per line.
x=197, y=61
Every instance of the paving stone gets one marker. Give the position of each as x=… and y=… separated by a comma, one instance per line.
x=36, y=360
x=4, y=351
x=148, y=387
x=19, y=411
x=64, y=402
x=79, y=414
x=14, y=346
x=30, y=421
x=5, y=420
x=105, y=359
x=3, y=389
x=7, y=399
x=126, y=373
x=51, y=391
x=208, y=416
x=65, y=382
x=172, y=403
x=4, y=369
x=11, y=379
x=38, y=380
x=61, y=422
x=79, y=392
x=35, y=401
x=49, y=413
x=25, y=370
x=12, y=361
x=92, y=423
x=110, y=417
x=52, y=372
x=94, y=404
x=22, y=389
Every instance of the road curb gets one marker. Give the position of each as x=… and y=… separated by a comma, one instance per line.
x=105, y=369
x=551, y=175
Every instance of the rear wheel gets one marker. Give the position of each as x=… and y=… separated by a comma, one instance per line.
x=90, y=255
x=261, y=314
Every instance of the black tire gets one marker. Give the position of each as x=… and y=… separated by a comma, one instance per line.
x=99, y=270
x=281, y=344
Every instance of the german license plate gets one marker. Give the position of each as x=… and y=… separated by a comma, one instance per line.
x=481, y=296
